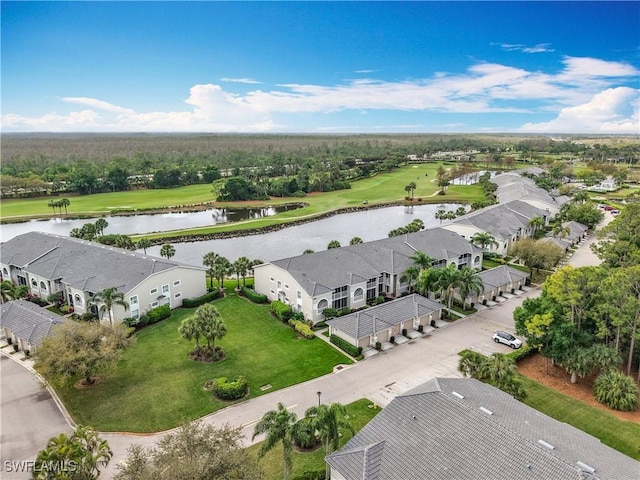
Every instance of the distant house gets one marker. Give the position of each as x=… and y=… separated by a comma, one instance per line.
x=513, y=186
x=461, y=428
x=507, y=223
x=572, y=233
x=606, y=185
x=365, y=328
x=79, y=269
x=27, y=324
x=352, y=275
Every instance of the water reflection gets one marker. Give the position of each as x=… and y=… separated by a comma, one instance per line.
x=146, y=223
x=368, y=225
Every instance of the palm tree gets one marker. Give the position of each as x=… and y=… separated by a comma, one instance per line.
x=483, y=240
x=328, y=420
x=410, y=275
x=144, y=243
x=560, y=230
x=10, y=291
x=500, y=368
x=412, y=187
x=333, y=244
x=210, y=324
x=100, y=225
x=536, y=223
x=190, y=331
x=65, y=202
x=167, y=250
x=209, y=261
x=125, y=242
x=460, y=211
x=441, y=215
x=447, y=282
x=278, y=427
x=240, y=267
x=220, y=270
x=106, y=299
x=308, y=250
x=617, y=391
x=422, y=260
x=355, y=241
x=408, y=190
x=469, y=281
x=427, y=281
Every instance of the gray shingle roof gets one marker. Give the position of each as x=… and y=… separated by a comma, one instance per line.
x=431, y=433
x=321, y=272
x=501, y=275
x=503, y=220
x=384, y=316
x=81, y=264
x=28, y=321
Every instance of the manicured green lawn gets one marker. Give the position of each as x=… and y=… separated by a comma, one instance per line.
x=618, y=434
x=155, y=386
x=382, y=188
x=272, y=463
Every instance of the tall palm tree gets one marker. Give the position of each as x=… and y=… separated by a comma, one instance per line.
x=422, y=260
x=483, y=240
x=210, y=324
x=65, y=202
x=10, y=291
x=106, y=299
x=328, y=420
x=410, y=275
x=209, y=261
x=240, y=267
x=469, y=281
x=124, y=241
x=447, y=282
x=427, y=281
x=278, y=427
x=100, y=225
x=190, y=331
x=560, y=230
x=144, y=243
x=412, y=187
x=536, y=223
x=499, y=368
x=220, y=270
x=167, y=250
x=441, y=215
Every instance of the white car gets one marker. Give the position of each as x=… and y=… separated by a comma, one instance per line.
x=507, y=339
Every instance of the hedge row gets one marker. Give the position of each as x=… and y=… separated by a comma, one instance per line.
x=152, y=316
x=253, y=295
x=302, y=328
x=346, y=346
x=197, y=301
x=282, y=311
x=233, y=389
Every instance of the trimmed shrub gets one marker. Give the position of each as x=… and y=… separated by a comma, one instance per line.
x=15, y=347
x=143, y=320
x=89, y=317
x=304, y=330
x=329, y=313
x=421, y=328
x=27, y=353
x=9, y=340
x=233, y=389
x=617, y=391
x=346, y=346
x=282, y=311
x=319, y=325
x=197, y=301
x=344, y=311
x=130, y=321
x=252, y=295
x=378, y=345
x=158, y=313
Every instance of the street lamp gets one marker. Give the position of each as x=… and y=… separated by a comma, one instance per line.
x=319, y=395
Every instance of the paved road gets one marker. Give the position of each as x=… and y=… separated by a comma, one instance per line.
x=29, y=416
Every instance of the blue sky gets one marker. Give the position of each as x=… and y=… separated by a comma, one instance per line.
x=321, y=67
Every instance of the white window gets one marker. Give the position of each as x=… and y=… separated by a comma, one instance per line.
x=43, y=286
x=154, y=304
x=34, y=283
x=5, y=272
x=272, y=279
x=133, y=300
x=358, y=294
x=286, y=286
x=135, y=313
x=153, y=291
x=176, y=283
x=177, y=295
x=165, y=289
x=272, y=291
x=77, y=299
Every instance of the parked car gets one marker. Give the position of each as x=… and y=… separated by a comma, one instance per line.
x=507, y=339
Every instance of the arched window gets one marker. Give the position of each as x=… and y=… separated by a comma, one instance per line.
x=358, y=294
x=322, y=304
x=34, y=283
x=43, y=286
x=77, y=299
x=5, y=271
x=476, y=261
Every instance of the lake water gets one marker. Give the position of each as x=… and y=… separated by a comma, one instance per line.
x=129, y=225
x=371, y=224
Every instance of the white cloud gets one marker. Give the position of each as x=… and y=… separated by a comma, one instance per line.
x=240, y=80
x=95, y=103
x=615, y=110
x=539, y=48
x=578, y=90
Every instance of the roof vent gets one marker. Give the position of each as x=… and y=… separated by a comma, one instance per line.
x=546, y=444
x=456, y=394
x=586, y=468
x=486, y=410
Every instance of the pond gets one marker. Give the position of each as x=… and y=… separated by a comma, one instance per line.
x=372, y=224
x=146, y=223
